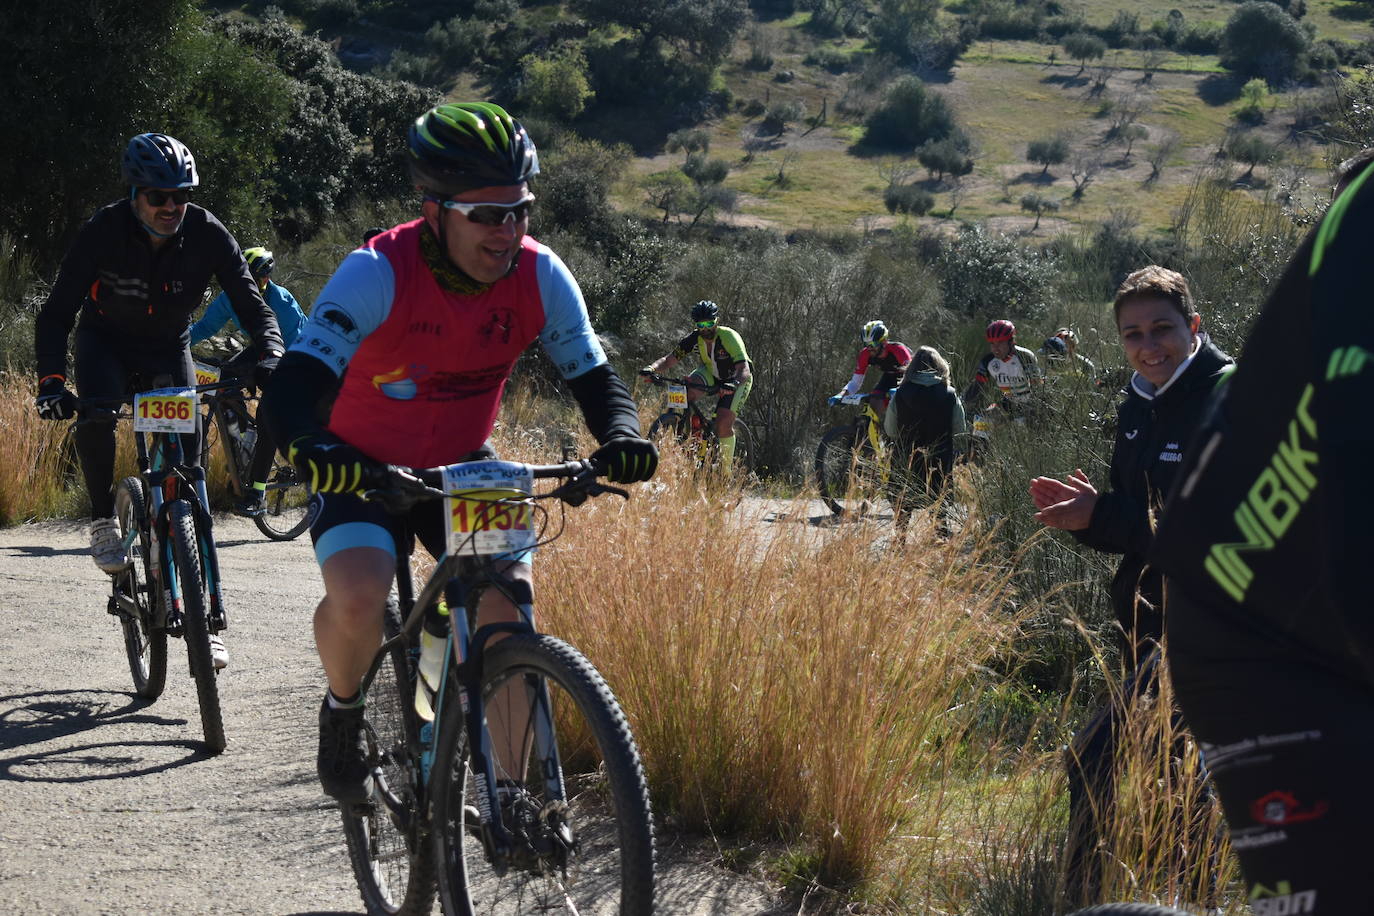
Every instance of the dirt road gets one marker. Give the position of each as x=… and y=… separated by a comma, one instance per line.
x=107, y=804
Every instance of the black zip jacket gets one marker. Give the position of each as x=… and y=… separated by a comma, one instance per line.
x=142, y=299
x=1151, y=436
x=1271, y=529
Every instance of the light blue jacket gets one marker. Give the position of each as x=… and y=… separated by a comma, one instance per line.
x=283, y=305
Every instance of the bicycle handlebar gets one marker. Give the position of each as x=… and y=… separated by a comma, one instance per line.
x=686, y=382
x=402, y=488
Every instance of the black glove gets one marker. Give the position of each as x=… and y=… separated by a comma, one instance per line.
x=647, y=372
x=330, y=465
x=728, y=385
x=263, y=370
x=628, y=459
x=55, y=401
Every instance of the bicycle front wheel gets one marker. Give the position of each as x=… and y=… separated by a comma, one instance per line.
x=288, y=506
x=145, y=647
x=387, y=843
x=667, y=424
x=846, y=472
x=196, y=626
x=591, y=852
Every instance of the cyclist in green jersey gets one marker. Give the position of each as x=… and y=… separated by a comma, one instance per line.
x=724, y=361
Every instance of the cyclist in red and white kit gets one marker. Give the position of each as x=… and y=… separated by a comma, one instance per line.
x=888, y=357
x=1006, y=375
x=403, y=361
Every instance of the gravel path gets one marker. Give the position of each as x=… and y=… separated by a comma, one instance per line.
x=110, y=807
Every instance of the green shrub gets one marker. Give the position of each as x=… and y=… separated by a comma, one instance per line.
x=910, y=115
x=979, y=271
x=1262, y=40
x=556, y=85
x=908, y=199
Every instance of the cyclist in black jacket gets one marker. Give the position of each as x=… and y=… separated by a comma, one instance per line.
x=135, y=276
x=1266, y=544
x=1176, y=367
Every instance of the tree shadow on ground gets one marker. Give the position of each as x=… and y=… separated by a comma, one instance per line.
x=1219, y=89
x=1352, y=12
x=1036, y=177
x=1066, y=80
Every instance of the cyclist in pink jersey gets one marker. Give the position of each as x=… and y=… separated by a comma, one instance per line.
x=406, y=353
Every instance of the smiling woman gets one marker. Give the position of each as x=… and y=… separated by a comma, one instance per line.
x=1176, y=366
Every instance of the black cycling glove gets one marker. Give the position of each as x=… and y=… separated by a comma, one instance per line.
x=628, y=459
x=330, y=465
x=264, y=369
x=55, y=401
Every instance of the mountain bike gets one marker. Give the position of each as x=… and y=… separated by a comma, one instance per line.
x=172, y=585
x=288, y=509
x=852, y=461
x=568, y=827
x=690, y=423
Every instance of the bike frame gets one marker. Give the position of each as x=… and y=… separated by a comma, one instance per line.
x=461, y=581
x=167, y=479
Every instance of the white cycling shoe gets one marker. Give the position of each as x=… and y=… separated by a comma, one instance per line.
x=107, y=547
x=219, y=653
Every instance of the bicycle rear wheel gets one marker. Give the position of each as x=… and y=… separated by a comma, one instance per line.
x=846, y=471
x=288, y=505
x=745, y=456
x=145, y=647
x=195, y=625
x=388, y=845
x=591, y=853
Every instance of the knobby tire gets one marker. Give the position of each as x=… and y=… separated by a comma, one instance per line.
x=609, y=868
x=392, y=860
x=835, y=459
x=144, y=646
x=195, y=624
x=289, y=508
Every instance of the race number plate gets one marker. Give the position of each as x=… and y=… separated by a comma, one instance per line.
x=167, y=410
x=489, y=508
x=677, y=397
x=206, y=374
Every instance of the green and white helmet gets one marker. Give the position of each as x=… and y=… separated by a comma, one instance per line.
x=467, y=145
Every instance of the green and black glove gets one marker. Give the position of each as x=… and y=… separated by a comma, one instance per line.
x=330, y=465
x=628, y=459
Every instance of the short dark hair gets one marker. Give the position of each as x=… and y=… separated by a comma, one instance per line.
x=1155, y=282
x=371, y=233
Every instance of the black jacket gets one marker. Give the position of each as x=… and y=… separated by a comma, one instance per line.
x=142, y=298
x=925, y=413
x=1151, y=436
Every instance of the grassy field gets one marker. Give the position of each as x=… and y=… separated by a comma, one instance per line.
x=1006, y=93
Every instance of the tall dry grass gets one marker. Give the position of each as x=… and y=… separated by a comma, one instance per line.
x=31, y=480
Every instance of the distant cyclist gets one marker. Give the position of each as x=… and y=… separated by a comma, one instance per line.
x=130, y=283
x=1006, y=375
x=1266, y=544
x=888, y=357
x=723, y=359
x=289, y=316
x=1076, y=363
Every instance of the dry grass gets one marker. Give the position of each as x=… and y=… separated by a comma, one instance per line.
x=31, y=484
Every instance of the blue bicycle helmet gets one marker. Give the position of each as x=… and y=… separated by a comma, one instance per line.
x=158, y=161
